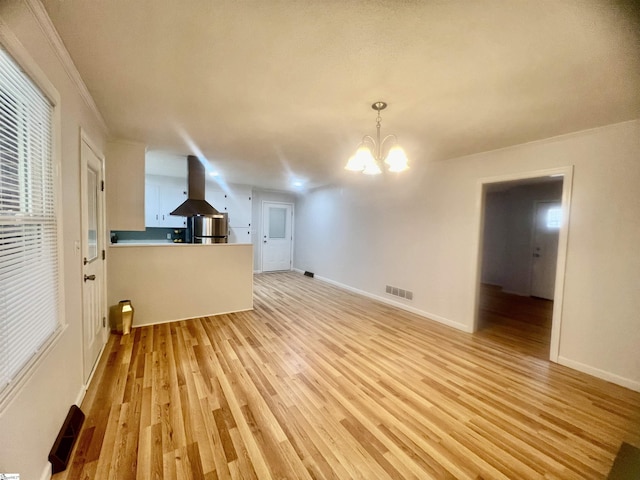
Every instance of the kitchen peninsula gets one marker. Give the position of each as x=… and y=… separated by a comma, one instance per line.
x=167, y=281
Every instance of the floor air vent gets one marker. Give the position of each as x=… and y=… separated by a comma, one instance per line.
x=399, y=292
x=308, y=274
x=69, y=433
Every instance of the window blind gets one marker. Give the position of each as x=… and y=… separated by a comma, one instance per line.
x=29, y=290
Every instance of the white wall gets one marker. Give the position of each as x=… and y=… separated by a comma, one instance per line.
x=494, y=245
x=421, y=232
x=508, y=233
x=30, y=422
x=260, y=196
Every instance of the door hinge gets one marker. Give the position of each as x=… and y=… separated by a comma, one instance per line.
x=104, y=322
x=102, y=186
x=104, y=254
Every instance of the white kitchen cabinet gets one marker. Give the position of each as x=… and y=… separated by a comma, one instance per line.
x=151, y=203
x=239, y=235
x=215, y=196
x=162, y=196
x=238, y=203
x=235, y=201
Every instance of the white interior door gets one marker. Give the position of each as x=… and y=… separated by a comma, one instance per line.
x=277, y=237
x=93, y=234
x=548, y=219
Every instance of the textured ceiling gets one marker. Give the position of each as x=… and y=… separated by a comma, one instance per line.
x=270, y=90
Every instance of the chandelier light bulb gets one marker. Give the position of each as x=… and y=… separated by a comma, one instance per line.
x=372, y=167
x=397, y=159
x=359, y=161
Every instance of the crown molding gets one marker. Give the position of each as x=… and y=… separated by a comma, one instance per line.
x=50, y=32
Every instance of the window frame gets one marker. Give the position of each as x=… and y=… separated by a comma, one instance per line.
x=31, y=69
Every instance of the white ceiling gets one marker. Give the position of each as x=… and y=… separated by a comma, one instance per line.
x=270, y=90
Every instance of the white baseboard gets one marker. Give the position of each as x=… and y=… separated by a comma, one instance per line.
x=408, y=308
x=81, y=394
x=46, y=472
x=603, y=374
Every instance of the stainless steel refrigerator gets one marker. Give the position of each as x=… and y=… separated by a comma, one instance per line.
x=208, y=229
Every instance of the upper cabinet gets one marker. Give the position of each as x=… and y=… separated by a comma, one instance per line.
x=215, y=196
x=124, y=172
x=165, y=189
x=235, y=201
x=239, y=207
x=162, y=196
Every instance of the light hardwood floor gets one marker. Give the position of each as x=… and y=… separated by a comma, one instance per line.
x=318, y=383
x=521, y=323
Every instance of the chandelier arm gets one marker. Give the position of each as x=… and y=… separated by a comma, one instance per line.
x=393, y=140
x=391, y=136
x=368, y=138
x=374, y=146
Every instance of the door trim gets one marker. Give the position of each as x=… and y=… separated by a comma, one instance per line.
x=84, y=138
x=563, y=240
x=262, y=221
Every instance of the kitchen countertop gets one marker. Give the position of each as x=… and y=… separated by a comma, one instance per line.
x=160, y=243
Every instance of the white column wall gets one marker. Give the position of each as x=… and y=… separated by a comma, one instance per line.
x=30, y=422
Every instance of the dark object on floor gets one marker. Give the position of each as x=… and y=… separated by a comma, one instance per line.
x=626, y=466
x=69, y=433
x=308, y=274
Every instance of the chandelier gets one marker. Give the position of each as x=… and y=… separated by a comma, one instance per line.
x=369, y=158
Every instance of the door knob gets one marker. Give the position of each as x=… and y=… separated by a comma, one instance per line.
x=89, y=277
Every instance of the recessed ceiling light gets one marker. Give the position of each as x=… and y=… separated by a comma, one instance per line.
x=297, y=184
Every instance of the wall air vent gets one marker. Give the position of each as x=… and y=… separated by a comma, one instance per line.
x=399, y=292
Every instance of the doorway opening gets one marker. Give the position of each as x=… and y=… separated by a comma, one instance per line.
x=521, y=258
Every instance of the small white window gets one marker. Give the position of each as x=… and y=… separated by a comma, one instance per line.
x=29, y=289
x=554, y=218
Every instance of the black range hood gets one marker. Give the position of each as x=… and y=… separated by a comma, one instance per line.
x=195, y=204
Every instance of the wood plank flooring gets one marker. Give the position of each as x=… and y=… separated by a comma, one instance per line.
x=522, y=323
x=319, y=383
